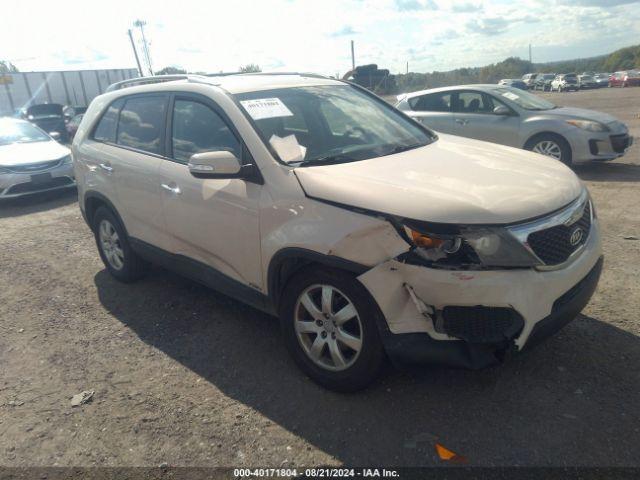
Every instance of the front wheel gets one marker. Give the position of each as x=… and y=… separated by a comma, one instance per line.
x=551, y=145
x=329, y=323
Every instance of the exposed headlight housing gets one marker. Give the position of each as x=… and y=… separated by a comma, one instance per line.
x=483, y=246
x=589, y=125
x=66, y=160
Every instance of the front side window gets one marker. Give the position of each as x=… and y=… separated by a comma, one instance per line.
x=197, y=128
x=474, y=102
x=141, y=123
x=106, y=129
x=342, y=124
x=434, y=102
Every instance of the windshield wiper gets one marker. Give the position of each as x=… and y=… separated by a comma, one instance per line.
x=328, y=160
x=404, y=148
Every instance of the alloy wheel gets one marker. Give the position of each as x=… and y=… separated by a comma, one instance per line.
x=548, y=148
x=110, y=243
x=328, y=327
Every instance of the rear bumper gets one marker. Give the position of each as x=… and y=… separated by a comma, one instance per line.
x=420, y=348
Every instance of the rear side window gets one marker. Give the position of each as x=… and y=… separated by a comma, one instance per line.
x=434, y=102
x=198, y=128
x=106, y=129
x=141, y=123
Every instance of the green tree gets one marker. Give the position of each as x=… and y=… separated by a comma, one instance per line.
x=250, y=68
x=7, y=67
x=171, y=71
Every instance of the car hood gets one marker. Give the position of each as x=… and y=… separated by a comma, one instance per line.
x=583, y=113
x=454, y=180
x=25, y=153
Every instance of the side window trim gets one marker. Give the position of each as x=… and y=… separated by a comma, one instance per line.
x=246, y=157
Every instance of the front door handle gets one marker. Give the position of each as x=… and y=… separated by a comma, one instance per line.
x=461, y=121
x=106, y=167
x=173, y=189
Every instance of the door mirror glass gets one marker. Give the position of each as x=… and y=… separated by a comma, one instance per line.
x=501, y=110
x=218, y=164
x=55, y=135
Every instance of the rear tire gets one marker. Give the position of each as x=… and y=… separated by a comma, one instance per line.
x=550, y=143
x=114, y=247
x=329, y=323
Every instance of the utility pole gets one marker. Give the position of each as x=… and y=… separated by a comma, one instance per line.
x=145, y=46
x=353, y=57
x=407, y=67
x=135, y=52
x=529, y=53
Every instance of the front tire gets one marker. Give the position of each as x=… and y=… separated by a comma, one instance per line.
x=551, y=145
x=329, y=323
x=114, y=248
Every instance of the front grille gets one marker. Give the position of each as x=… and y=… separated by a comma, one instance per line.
x=481, y=324
x=30, y=187
x=33, y=167
x=554, y=245
x=619, y=143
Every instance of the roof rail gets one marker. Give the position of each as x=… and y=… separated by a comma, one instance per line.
x=132, y=82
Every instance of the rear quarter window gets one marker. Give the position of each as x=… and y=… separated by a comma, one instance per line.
x=106, y=128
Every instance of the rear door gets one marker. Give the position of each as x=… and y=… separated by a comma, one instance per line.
x=134, y=163
x=434, y=111
x=474, y=118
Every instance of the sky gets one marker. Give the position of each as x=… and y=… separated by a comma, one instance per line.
x=312, y=35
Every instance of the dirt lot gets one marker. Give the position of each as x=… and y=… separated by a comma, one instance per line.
x=186, y=376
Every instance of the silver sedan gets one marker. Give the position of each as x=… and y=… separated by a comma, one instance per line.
x=31, y=161
x=516, y=118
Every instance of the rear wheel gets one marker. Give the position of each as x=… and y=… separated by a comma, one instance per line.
x=329, y=323
x=551, y=145
x=114, y=248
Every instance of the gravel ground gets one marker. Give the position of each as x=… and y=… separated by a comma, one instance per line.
x=186, y=376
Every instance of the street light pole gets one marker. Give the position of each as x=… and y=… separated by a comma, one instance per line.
x=135, y=52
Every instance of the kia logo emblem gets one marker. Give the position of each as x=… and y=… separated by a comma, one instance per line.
x=576, y=237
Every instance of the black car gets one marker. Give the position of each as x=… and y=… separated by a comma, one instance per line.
x=543, y=81
x=50, y=118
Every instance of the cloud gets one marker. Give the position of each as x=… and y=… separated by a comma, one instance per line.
x=488, y=26
x=466, y=7
x=344, y=31
x=414, y=5
x=445, y=36
x=595, y=3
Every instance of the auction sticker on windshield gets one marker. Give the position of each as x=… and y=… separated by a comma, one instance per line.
x=510, y=95
x=266, y=108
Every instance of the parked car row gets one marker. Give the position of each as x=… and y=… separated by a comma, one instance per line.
x=571, y=81
x=510, y=116
x=59, y=121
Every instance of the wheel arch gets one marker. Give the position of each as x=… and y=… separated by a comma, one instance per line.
x=94, y=200
x=541, y=133
x=290, y=260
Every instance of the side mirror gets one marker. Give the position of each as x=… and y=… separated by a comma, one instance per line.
x=501, y=110
x=222, y=164
x=55, y=135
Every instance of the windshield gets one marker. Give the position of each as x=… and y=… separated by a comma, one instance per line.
x=524, y=99
x=20, y=132
x=329, y=124
x=548, y=77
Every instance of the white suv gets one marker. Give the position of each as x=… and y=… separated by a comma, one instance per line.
x=314, y=200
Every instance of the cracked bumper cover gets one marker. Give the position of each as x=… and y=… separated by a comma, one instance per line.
x=546, y=301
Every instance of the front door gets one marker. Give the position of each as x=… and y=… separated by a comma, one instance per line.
x=212, y=221
x=474, y=118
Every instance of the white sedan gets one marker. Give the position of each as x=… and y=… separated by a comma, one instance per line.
x=31, y=161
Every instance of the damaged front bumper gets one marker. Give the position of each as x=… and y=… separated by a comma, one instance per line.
x=474, y=319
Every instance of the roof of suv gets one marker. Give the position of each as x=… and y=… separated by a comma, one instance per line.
x=233, y=83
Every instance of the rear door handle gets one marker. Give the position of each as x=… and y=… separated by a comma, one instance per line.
x=106, y=167
x=175, y=189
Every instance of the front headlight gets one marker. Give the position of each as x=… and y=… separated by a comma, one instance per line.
x=66, y=160
x=589, y=125
x=485, y=246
